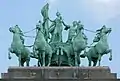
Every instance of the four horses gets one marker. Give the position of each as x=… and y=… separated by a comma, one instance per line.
x=43, y=51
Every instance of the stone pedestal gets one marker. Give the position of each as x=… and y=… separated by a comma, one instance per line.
x=60, y=73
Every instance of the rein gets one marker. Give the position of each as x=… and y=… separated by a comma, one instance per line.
x=90, y=30
x=29, y=31
x=29, y=36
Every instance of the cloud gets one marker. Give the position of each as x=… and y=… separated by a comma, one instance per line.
x=53, y=3
x=103, y=10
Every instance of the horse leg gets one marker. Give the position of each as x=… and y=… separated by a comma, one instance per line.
x=110, y=58
x=9, y=50
x=94, y=63
x=34, y=50
x=37, y=53
x=19, y=59
x=49, y=59
x=27, y=61
x=38, y=63
x=22, y=62
x=69, y=59
x=78, y=59
x=76, y=63
x=43, y=55
x=89, y=63
x=99, y=59
x=39, y=60
x=89, y=59
x=57, y=51
x=109, y=51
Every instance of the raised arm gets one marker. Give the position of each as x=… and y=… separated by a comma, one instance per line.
x=66, y=26
x=64, y=23
x=50, y=20
x=53, y=24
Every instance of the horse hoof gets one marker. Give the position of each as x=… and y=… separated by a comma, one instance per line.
x=70, y=65
x=48, y=65
x=9, y=58
x=110, y=59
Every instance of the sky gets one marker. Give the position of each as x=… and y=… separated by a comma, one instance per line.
x=92, y=13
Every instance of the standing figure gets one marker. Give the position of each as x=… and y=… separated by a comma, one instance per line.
x=80, y=25
x=56, y=28
x=44, y=12
x=72, y=32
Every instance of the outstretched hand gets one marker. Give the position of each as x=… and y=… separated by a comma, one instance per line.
x=50, y=19
x=67, y=27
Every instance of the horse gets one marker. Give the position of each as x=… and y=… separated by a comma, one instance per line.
x=79, y=44
x=18, y=48
x=74, y=48
x=101, y=48
x=41, y=49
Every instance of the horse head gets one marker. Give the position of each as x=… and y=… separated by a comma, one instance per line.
x=18, y=31
x=15, y=29
x=17, y=46
x=79, y=33
x=106, y=30
x=79, y=28
x=39, y=26
x=103, y=31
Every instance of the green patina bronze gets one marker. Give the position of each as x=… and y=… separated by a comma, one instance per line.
x=56, y=29
x=101, y=48
x=17, y=46
x=41, y=48
x=72, y=31
x=44, y=12
x=79, y=43
x=49, y=48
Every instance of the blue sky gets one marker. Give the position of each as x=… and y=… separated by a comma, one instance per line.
x=92, y=13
